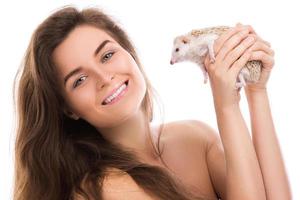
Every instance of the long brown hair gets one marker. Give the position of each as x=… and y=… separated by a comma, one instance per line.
x=56, y=156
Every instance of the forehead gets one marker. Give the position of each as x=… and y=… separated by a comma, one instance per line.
x=79, y=45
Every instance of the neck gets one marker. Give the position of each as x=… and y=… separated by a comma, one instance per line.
x=132, y=134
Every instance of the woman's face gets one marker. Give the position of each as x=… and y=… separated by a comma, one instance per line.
x=96, y=76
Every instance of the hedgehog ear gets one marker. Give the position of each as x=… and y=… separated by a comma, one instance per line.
x=185, y=40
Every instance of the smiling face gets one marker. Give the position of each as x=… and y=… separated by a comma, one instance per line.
x=97, y=75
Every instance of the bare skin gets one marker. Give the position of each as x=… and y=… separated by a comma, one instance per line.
x=185, y=144
x=193, y=142
x=264, y=136
x=120, y=123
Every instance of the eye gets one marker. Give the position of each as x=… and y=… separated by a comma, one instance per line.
x=78, y=81
x=106, y=56
x=177, y=49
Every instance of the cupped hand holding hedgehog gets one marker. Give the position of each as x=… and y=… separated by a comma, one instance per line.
x=198, y=44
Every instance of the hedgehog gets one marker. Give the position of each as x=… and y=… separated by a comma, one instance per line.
x=196, y=44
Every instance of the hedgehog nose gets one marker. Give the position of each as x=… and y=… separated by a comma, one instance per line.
x=171, y=62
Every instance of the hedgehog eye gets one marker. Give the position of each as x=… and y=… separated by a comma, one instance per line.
x=184, y=41
x=177, y=49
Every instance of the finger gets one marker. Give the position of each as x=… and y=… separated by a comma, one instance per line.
x=240, y=63
x=232, y=43
x=259, y=45
x=237, y=52
x=253, y=31
x=250, y=28
x=246, y=26
x=224, y=37
x=264, y=41
x=267, y=43
x=258, y=37
x=267, y=60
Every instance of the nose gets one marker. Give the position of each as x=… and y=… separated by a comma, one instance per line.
x=171, y=62
x=104, y=79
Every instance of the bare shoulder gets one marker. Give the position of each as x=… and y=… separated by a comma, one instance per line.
x=213, y=150
x=194, y=150
x=189, y=132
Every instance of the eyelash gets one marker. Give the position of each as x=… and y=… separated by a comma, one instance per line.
x=108, y=54
x=77, y=81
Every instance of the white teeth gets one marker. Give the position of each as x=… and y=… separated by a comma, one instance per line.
x=110, y=98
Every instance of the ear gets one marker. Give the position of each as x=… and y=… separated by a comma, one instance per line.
x=71, y=114
x=185, y=39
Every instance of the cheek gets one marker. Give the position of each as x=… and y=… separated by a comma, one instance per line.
x=140, y=84
x=139, y=77
x=83, y=100
x=134, y=72
x=127, y=65
x=123, y=62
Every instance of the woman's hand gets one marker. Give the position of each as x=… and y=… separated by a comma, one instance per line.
x=261, y=50
x=231, y=54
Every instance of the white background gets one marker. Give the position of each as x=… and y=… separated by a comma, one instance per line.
x=152, y=25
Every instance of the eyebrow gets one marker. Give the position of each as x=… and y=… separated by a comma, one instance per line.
x=79, y=69
x=101, y=47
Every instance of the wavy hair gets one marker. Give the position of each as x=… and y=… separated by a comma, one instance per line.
x=56, y=156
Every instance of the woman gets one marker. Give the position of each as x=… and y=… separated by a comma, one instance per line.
x=76, y=141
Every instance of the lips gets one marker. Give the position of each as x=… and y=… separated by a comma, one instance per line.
x=114, y=90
